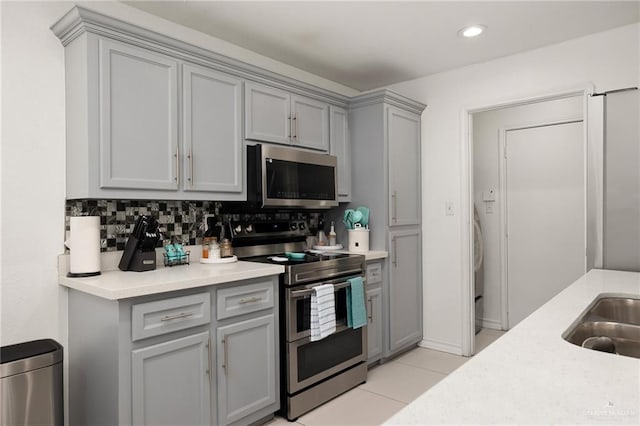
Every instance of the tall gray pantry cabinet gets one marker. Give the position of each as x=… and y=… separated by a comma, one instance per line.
x=385, y=140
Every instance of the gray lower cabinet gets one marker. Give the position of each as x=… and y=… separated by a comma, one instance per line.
x=405, y=289
x=375, y=313
x=171, y=381
x=375, y=324
x=246, y=368
x=205, y=356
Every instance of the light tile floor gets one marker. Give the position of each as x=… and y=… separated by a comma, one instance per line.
x=389, y=387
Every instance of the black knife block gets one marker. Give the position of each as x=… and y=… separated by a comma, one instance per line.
x=134, y=259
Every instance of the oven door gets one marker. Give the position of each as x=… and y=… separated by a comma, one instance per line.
x=298, y=309
x=310, y=362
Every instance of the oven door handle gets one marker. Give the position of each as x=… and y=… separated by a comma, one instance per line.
x=302, y=293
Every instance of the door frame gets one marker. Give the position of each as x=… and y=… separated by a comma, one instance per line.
x=594, y=124
x=502, y=217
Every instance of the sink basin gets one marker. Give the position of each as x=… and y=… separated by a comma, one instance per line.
x=615, y=318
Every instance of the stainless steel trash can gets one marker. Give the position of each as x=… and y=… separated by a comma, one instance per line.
x=31, y=383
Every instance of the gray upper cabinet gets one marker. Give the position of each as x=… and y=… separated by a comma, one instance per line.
x=341, y=148
x=153, y=117
x=170, y=382
x=404, y=166
x=138, y=118
x=267, y=114
x=212, y=131
x=310, y=123
x=276, y=116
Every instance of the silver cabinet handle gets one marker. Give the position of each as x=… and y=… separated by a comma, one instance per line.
x=177, y=155
x=225, y=353
x=370, y=310
x=289, y=134
x=249, y=300
x=394, y=207
x=177, y=316
x=295, y=127
x=209, y=359
x=190, y=158
x=395, y=252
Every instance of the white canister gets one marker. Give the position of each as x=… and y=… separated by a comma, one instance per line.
x=84, y=246
x=359, y=240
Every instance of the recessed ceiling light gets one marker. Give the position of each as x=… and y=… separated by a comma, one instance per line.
x=472, y=31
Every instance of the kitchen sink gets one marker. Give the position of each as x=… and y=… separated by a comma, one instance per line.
x=611, y=323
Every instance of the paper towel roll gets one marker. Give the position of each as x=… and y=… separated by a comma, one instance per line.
x=84, y=244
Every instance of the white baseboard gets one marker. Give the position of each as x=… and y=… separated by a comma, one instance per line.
x=440, y=346
x=488, y=323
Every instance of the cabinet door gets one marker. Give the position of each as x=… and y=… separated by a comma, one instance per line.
x=247, y=368
x=405, y=289
x=138, y=118
x=374, y=326
x=341, y=148
x=310, y=123
x=403, y=139
x=267, y=114
x=171, y=382
x=212, y=128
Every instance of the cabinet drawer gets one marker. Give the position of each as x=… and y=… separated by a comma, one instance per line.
x=244, y=299
x=165, y=316
x=374, y=273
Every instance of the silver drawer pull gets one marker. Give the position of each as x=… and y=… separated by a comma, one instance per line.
x=249, y=300
x=177, y=316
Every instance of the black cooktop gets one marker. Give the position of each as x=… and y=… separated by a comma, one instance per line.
x=283, y=259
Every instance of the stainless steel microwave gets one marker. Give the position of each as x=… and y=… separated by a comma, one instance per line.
x=280, y=177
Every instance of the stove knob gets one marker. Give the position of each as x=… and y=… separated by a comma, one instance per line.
x=301, y=226
x=293, y=226
x=248, y=229
x=237, y=229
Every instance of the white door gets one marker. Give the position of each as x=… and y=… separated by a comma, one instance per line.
x=545, y=214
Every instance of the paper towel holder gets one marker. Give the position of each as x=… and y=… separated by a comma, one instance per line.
x=92, y=269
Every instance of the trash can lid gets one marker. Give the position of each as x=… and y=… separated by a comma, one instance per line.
x=27, y=349
x=22, y=357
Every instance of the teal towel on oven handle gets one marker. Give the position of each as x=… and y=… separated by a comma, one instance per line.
x=356, y=309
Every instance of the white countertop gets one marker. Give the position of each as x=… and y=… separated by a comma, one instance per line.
x=532, y=375
x=114, y=284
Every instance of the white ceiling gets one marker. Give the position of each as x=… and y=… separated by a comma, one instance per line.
x=367, y=44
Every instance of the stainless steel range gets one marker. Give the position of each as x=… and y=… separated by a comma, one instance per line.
x=312, y=373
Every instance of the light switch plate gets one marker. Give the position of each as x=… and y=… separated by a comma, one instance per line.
x=449, y=208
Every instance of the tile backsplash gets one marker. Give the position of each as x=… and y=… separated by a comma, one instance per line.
x=181, y=221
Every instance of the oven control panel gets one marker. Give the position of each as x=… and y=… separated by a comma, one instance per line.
x=274, y=229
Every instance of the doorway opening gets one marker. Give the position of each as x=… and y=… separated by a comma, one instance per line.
x=527, y=167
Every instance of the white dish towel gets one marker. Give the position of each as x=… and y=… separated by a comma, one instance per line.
x=323, y=312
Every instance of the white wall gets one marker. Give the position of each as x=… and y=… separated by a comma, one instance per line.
x=609, y=60
x=486, y=167
x=32, y=304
